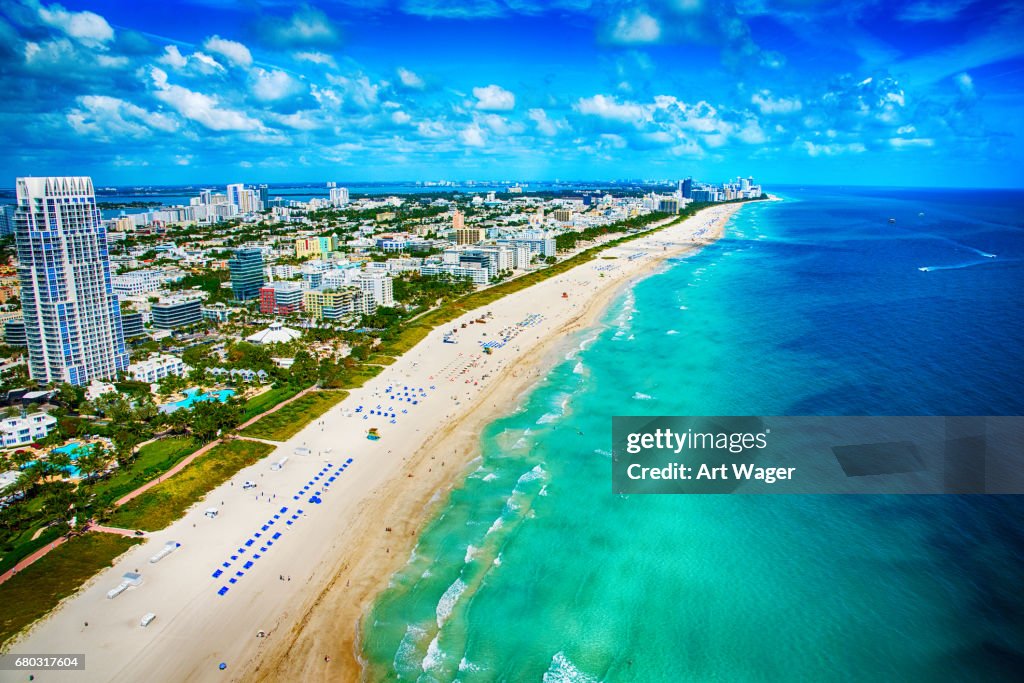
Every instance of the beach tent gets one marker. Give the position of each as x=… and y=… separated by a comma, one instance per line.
x=211, y=512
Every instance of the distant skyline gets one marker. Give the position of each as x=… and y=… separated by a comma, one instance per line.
x=854, y=92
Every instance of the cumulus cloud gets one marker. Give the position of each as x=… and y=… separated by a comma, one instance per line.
x=545, y=125
x=769, y=104
x=833, y=149
x=199, y=107
x=197, y=62
x=608, y=107
x=494, y=98
x=636, y=27
x=306, y=27
x=87, y=28
x=410, y=79
x=269, y=86
x=315, y=58
x=473, y=136
x=907, y=143
x=107, y=117
x=233, y=51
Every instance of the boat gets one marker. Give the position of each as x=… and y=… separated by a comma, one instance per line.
x=892, y=220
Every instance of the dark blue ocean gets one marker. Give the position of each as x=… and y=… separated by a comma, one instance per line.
x=818, y=304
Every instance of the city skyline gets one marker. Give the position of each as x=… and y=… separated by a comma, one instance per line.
x=908, y=93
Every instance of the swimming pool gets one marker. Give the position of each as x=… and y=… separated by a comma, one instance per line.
x=193, y=395
x=74, y=450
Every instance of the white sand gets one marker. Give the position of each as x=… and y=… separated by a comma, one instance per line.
x=338, y=553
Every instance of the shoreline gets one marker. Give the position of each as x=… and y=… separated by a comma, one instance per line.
x=343, y=552
x=337, y=626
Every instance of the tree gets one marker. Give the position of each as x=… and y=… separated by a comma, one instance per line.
x=125, y=441
x=71, y=395
x=93, y=463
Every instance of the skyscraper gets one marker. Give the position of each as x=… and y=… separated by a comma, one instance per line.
x=246, y=273
x=339, y=196
x=688, y=188
x=234, y=192
x=264, y=192
x=72, y=318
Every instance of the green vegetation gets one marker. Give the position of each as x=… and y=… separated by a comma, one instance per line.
x=290, y=419
x=38, y=588
x=168, y=500
x=267, y=400
x=151, y=461
x=568, y=240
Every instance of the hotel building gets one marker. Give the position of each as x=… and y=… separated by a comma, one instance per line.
x=72, y=318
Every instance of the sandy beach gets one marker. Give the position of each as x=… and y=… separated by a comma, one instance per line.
x=311, y=545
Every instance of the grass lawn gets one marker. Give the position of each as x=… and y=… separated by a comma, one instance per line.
x=168, y=500
x=267, y=400
x=153, y=460
x=39, y=587
x=24, y=545
x=289, y=420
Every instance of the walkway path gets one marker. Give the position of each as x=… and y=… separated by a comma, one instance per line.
x=25, y=562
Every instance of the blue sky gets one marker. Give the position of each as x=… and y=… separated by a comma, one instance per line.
x=916, y=92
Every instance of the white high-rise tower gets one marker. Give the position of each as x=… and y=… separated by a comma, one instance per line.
x=72, y=318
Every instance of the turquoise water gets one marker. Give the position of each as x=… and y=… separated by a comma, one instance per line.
x=74, y=450
x=193, y=395
x=533, y=570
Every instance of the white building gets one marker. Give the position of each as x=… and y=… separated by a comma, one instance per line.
x=18, y=431
x=379, y=285
x=72, y=318
x=339, y=196
x=156, y=367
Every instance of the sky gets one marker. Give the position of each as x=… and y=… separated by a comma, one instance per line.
x=860, y=92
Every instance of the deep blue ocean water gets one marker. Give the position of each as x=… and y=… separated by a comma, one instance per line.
x=534, y=570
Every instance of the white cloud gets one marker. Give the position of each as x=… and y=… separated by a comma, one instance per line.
x=410, y=79
x=400, y=118
x=473, y=136
x=360, y=91
x=173, y=58
x=197, y=62
x=768, y=104
x=234, y=52
x=607, y=107
x=315, y=58
x=833, y=149
x=636, y=27
x=307, y=26
x=501, y=125
x=106, y=117
x=906, y=143
x=494, y=98
x=199, y=107
x=87, y=28
x=269, y=86
x=545, y=126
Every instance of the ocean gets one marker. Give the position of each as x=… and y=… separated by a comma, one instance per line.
x=532, y=570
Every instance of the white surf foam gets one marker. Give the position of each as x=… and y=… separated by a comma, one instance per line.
x=638, y=396
x=562, y=670
x=447, y=602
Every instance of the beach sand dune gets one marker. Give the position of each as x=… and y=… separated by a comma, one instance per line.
x=307, y=590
